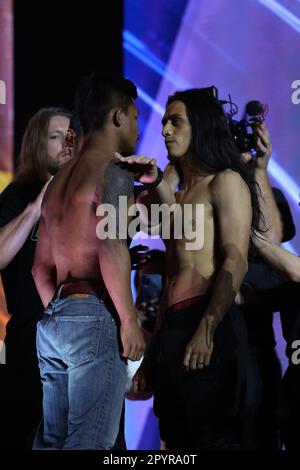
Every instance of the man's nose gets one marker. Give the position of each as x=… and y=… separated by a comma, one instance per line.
x=166, y=130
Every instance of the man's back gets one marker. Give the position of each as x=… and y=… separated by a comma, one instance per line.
x=69, y=213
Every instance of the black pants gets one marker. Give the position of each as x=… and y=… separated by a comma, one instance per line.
x=260, y=413
x=289, y=409
x=199, y=409
x=20, y=390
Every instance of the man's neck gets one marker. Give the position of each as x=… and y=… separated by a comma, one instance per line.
x=102, y=143
x=191, y=172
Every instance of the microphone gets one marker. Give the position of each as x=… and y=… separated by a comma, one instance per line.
x=256, y=108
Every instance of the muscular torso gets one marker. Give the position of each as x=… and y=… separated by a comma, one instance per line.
x=191, y=272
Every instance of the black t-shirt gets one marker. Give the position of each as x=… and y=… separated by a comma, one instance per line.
x=23, y=301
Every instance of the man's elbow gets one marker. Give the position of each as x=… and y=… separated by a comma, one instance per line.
x=241, y=265
x=4, y=262
x=237, y=264
x=276, y=234
x=294, y=274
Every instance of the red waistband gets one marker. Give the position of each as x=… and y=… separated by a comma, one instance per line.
x=185, y=303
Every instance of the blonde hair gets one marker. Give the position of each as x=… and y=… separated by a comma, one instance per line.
x=34, y=159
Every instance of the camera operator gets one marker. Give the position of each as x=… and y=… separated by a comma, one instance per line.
x=259, y=417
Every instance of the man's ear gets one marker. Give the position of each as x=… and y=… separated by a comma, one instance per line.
x=118, y=117
x=70, y=138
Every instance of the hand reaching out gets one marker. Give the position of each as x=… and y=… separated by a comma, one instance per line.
x=144, y=169
x=37, y=203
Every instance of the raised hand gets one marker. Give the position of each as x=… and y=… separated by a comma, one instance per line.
x=37, y=203
x=144, y=169
x=263, y=146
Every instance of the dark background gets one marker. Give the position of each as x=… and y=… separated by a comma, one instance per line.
x=56, y=44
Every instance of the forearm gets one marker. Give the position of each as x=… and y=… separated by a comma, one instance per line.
x=225, y=288
x=115, y=266
x=171, y=176
x=278, y=258
x=272, y=219
x=14, y=234
x=162, y=194
x=45, y=284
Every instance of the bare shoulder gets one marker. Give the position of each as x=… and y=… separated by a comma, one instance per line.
x=228, y=181
x=227, y=177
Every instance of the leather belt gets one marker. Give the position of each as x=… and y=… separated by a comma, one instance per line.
x=78, y=287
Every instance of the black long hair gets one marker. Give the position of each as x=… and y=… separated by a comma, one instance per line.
x=212, y=142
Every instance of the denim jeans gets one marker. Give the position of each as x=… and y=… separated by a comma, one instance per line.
x=83, y=375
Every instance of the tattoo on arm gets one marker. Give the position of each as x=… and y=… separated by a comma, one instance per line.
x=117, y=182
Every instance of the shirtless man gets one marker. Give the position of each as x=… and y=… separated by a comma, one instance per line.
x=198, y=371
x=87, y=280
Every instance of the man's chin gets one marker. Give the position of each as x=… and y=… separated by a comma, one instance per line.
x=172, y=158
x=55, y=166
x=129, y=152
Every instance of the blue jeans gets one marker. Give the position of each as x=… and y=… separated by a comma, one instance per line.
x=83, y=375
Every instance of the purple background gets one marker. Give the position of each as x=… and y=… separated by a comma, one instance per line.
x=248, y=48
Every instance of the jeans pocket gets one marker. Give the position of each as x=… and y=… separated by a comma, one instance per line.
x=79, y=338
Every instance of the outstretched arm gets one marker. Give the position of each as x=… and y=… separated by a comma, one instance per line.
x=278, y=258
x=145, y=171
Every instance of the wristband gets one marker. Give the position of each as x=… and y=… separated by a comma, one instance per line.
x=155, y=183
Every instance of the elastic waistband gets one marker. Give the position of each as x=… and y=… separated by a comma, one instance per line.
x=185, y=304
x=79, y=287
